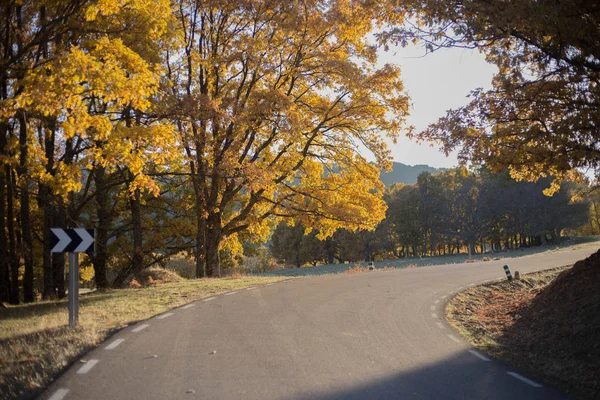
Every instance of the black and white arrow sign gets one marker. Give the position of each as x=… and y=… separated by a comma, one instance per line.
x=78, y=240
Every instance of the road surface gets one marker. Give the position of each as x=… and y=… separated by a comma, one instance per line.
x=375, y=335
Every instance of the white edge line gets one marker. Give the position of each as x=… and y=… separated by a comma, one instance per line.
x=251, y=288
x=434, y=315
x=140, y=328
x=523, y=379
x=59, y=394
x=87, y=367
x=114, y=344
x=479, y=355
x=453, y=338
x=230, y=293
x=188, y=306
x=167, y=315
x=440, y=325
x=209, y=298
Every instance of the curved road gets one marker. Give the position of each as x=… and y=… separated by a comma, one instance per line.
x=377, y=335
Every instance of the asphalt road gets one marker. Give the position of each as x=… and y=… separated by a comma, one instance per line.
x=376, y=335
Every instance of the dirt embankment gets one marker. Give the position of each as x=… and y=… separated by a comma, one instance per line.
x=547, y=324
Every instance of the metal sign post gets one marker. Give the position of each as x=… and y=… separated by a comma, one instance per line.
x=72, y=241
x=73, y=289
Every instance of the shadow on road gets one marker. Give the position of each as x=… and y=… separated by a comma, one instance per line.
x=463, y=377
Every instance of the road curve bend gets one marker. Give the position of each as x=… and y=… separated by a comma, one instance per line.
x=375, y=335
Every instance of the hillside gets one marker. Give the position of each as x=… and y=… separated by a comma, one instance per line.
x=402, y=173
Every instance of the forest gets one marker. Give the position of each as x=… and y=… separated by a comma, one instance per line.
x=196, y=128
x=449, y=212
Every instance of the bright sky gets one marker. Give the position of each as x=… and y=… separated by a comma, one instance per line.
x=435, y=83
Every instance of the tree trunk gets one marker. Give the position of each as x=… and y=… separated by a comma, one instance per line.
x=213, y=240
x=471, y=247
x=58, y=259
x=200, y=238
x=27, y=248
x=48, y=274
x=12, y=239
x=137, y=262
x=101, y=239
x=4, y=271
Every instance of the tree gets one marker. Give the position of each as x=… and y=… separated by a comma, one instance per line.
x=270, y=98
x=541, y=117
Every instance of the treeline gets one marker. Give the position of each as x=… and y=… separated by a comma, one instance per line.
x=447, y=213
x=184, y=126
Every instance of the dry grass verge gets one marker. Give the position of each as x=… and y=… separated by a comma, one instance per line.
x=36, y=344
x=547, y=324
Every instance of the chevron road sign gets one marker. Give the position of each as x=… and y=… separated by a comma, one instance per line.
x=72, y=241
x=78, y=240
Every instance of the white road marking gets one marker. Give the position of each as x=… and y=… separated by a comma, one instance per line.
x=167, y=315
x=523, y=379
x=140, y=328
x=461, y=288
x=188, y=306
x=59, y=394
x=87, y=367
x=437, y=301
x=268, y=284
x=230, y=293
x=114, y=344
x=434, y=315
x=432, y=308
x=251, y=288
x=443, y=297
x=209, y=298
x=471, y=284
x=479, y=355
x=440, y=325
x=454, y=338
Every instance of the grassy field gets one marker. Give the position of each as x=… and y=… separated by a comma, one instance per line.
x=427, y=261
x=36, y=344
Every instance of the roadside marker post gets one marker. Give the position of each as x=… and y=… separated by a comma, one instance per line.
x=508, y=274
x=72, y=241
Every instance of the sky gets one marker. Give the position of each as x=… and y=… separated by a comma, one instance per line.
x=435, y=82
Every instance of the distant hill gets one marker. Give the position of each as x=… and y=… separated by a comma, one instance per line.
x=405, y=173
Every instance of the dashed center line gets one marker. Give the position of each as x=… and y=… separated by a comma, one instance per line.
x=454, y=338
x=188, y=306
x=167, y=315
x=440, y=325
x=87, y=367
x=479, y=355
x=523, y=379
x=209, y=298
x=59, y=394
x=114, y=344
x=140, y=328
x=230, y=293
x=434, y=315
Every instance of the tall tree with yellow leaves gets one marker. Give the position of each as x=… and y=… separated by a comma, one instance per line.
x=276, y=102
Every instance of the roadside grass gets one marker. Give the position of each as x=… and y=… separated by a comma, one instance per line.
x=36, y=344
x=410, y=262
x=546, y=324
